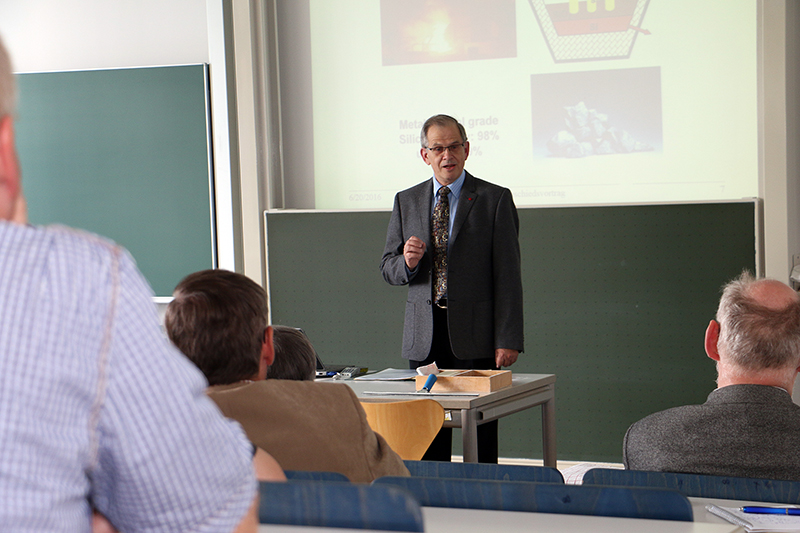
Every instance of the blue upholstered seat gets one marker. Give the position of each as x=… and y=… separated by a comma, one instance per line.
x=627, y=502
x=337, y=504
x=541, y=474
x=312, y=475
x=700, y=485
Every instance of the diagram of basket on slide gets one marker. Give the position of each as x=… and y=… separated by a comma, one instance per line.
x=590, y=30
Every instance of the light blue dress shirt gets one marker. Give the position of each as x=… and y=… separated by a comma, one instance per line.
x=97, y=409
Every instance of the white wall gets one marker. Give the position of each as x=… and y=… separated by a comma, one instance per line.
x=46, y=35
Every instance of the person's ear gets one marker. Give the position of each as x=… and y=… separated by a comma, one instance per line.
x=424, y=153
x=712, y=338
x=267, y=354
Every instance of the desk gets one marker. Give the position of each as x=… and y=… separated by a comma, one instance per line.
x=467, y=412
x=702, y=515
x=447, y=520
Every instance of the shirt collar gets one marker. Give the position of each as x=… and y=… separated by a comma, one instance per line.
x=455, y=187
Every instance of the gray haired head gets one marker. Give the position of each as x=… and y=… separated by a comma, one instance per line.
x=759, y=332
x=442, y=121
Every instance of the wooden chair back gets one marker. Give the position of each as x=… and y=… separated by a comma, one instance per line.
x=408, y=426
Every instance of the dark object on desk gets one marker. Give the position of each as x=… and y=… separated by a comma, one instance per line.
x=700, y=485
x=625, y=502
x=351, y=372
x=324, y=370
x=485, y=471
x=334, y=504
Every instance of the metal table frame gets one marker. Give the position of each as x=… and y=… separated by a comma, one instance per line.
x=468, y=412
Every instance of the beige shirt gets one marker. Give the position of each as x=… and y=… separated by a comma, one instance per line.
x=309, y=426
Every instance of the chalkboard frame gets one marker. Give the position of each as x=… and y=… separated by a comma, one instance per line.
x=616, y=302
x=124, y=153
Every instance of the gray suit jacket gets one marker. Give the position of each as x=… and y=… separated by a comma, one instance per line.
x=484, y=282
x=742, y=431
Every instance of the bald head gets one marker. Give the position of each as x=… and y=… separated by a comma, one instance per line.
x=759, y=323
x=773, y=294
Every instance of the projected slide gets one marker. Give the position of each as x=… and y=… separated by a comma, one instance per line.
x=566, y=102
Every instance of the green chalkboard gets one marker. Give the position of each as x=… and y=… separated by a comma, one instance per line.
x=123, y=153
x=617, y=300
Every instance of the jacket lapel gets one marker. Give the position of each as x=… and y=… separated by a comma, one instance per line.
x=424, y=199
x=465, y=202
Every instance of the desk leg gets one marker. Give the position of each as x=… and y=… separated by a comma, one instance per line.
x=469, y=431
x=549, y=431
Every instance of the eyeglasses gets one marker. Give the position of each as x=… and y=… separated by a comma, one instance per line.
x=439, y=150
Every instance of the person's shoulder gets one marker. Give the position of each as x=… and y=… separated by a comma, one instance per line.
x=417, y=189
x=661, y=420
x=482, y=185
x=78, y=242
x=313, y=392
x=70, y=246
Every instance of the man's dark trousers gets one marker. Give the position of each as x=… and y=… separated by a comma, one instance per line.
x=441, y=352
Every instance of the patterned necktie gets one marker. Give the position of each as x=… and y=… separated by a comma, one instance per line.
x=441, y=228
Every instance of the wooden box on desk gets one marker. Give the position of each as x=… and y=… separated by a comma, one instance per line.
x=468, y=380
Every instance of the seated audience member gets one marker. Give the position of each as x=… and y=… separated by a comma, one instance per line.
x=295, y=358
x=219, y=320
x=749, y=426
x=97, y=410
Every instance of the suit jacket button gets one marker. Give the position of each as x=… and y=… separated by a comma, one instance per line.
x=429, y=302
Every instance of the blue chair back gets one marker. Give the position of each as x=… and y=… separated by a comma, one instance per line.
x=701, y=485
x=540, y=474
x=559, y=498
x=336, y=504
x=313, y=475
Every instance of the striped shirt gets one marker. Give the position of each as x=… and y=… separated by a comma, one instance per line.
x=97, y=409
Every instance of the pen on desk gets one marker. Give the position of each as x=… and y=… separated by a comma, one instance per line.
x=772, y=510
x=428, y=383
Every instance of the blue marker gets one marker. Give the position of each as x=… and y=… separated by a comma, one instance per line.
x=428, y=383
x=772, y=510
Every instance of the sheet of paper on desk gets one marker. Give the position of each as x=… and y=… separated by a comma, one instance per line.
x=389, y=374
x=754, y=522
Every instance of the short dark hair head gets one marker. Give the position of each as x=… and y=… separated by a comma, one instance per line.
x=217, y=319
x=295, y=357
x=756, y=335
x=442, y=121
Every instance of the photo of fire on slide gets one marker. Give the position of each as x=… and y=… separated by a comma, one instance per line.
x=422, y=31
